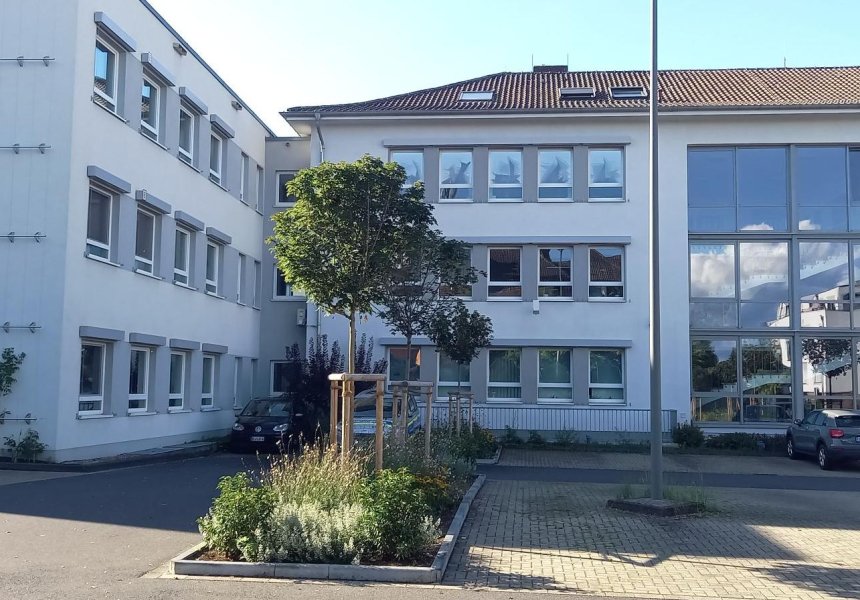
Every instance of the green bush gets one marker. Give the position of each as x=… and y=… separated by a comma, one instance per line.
x=535, y=439
x=25, y=446
x=565, y=438
x=758, y=442
x=511, y=437
x=687, y=435
x=395, y=524
x=475, y=444
x=239, y=512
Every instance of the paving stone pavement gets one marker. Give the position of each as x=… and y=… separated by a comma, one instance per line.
x=684, y=463
x=756, y=544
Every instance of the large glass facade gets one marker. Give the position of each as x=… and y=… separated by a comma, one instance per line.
x=773, y=275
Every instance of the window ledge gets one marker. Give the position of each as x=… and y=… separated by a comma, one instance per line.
x=209, y=409
x=736, y=424
x=554, y=299
x=608, y=300
x=178, y=411
x=215, y=295
x=156, y=142
x=551, y=402
x=607, y=201
x=87, y=417
x=608, y=404
x=142, y=413
x=109, y=111
x=150, y=275
x=101, y=260
x=491, y=299
x=505, y=201
x=188, y=164
x=240, y=303
x=284, y=204
x=556, y=201
x=454, y=201
x=184, y=285
x=292, y=299
x=215, y=183
x=504, y=401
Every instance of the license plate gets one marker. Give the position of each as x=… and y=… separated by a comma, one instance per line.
x=257, y=438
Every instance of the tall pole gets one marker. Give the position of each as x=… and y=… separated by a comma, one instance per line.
x=654, y=256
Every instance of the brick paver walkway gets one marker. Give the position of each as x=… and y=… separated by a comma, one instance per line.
x=759, y=544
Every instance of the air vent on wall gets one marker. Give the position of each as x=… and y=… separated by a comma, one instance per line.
x=477, y=95
x=627, y=92
x=576, y=92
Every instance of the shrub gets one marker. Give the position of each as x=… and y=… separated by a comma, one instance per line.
x=475, y=444
x=395, y=522
x=535, y=439
x=27, y=446
x=511, y=438
x=746, y=441
x=687, y=435
x=237, y=515
x=565, y=438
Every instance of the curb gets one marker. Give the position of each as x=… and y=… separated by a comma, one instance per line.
x=185, y=564
x=490, y=461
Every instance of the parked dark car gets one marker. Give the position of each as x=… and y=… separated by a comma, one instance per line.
x=364, y=419
x=265, y=424
x=831, y=436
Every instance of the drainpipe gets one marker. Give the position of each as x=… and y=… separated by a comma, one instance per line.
x=320, y=135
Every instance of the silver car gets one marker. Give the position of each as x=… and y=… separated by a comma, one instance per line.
x=830, y=435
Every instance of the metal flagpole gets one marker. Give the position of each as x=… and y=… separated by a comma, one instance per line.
x=656, y=400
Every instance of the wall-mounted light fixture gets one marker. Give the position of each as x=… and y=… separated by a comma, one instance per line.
x=180, y=49
x=236, y=104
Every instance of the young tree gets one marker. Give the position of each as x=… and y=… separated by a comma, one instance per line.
x=423, y=285
x=460, y=335
x=351, y=223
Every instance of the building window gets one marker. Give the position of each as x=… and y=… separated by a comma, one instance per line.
x=763, y=279
x=504, y=274
x=455, y=175
x=244, y=178
x=714, y=379
x=176, y=391
x=821, y=188
x=138, y=381
x=606, y=377
x=149, y=109
x=554, y=376
x=207, y=398
x=182, y=257
x=606, y=273
x=213, y=252
x=464, y=267
x=555, y=175
x=397, y=364
x=187, y=135
x=91, y=393
x=555, y=273
x=279, y=380
x=824, y=288
x=506, y=175
x=99, y=229
x=605, y=174
x=503, y=378
x=144, y=245
x=412, y=162
x=261, y=187
x=240, y=280
x=284, y=289
x=258, y=282
x=450, y=374
x=216, y=152
x=283, y=197
x=105, y=76
x=713, y=299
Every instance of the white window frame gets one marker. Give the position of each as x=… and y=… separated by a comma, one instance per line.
x=240, y=279
x=279, y=187
x=501, y=186
x=100, y=398
x=145, y=395
x=171, y=396
x=569, y=282
x=244, y=177
x=491, y=283
x=207, y=399
x=187, y=155
x=555, y=185
x=96, y=243
x=420, y=153
x=186, y=272
x=257, y=294
x=212, y=283
x=614, y=386
x=155, y=108
x=491, y=384
x=623, y=297
x=556, y=386
x=215, y=175
x=621, y=185
x=291, y=293
x=111, y=99
x=457, y=186
x=465, y=386
x=272, y=392
x=145, y=262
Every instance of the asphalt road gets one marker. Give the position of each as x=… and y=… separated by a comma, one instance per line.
x=96, y=535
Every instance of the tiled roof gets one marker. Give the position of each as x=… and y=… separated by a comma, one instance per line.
x=696, y=88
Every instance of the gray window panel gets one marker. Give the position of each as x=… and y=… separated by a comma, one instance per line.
x=606, y=375
x=711, y=409
x=764, y=271
x=605, y=172
x=177, y=368
x=714, y=315
x=208, y=374
x=714, y=365
x=854, y=217
x=280, y=377
x=283, y=179
x=767, y=380
x=854, y=174
x=412, y=162
x=555, y=193
x=824, y=287
x=828, y=377
x=149, y=108
x=449, y=371
x=397, y=364
x=706, y=219
x=104, y=76
x=91, y=381
x=606, y=267
x=555, y=167
x=764, y=315
x=504, y=374
x=455, y=174
x=762, y=218
x=506, y=174
x=504, y=268
x=712, y=270
x=822, y=218
x=710, y=178
x=820, y=177
x=143, y=246
x=137, y=373
x=98, y=222
x=762, y=176
x=555, y=272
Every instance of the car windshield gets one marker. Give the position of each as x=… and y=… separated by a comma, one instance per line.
x=848, y=421
x=268, y=408
x=366, y=405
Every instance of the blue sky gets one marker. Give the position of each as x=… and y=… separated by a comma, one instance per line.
x=282, y=53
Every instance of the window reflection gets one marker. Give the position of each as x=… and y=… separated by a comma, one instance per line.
x=712, y=270
x=762, y=189
x=824, y=286
x=820, y=186
x=413, y=163
x=827, y=378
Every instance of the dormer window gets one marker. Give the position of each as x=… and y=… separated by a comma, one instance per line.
x=626, y=93
x=575, y=93
x=477, y=95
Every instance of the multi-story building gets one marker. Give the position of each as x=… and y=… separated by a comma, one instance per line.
x=132, y=197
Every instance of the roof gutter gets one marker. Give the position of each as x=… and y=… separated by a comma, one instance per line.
x=317, y=119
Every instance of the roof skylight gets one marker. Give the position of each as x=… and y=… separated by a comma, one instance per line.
x=626, y=92
x=477, y=95
x=576, y=92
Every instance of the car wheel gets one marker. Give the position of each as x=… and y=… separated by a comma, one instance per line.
x=824, y=460
x=789, y=449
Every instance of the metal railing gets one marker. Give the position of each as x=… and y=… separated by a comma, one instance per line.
x=558, y=418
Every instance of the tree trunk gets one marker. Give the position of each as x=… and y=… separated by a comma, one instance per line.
x=350, y=366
